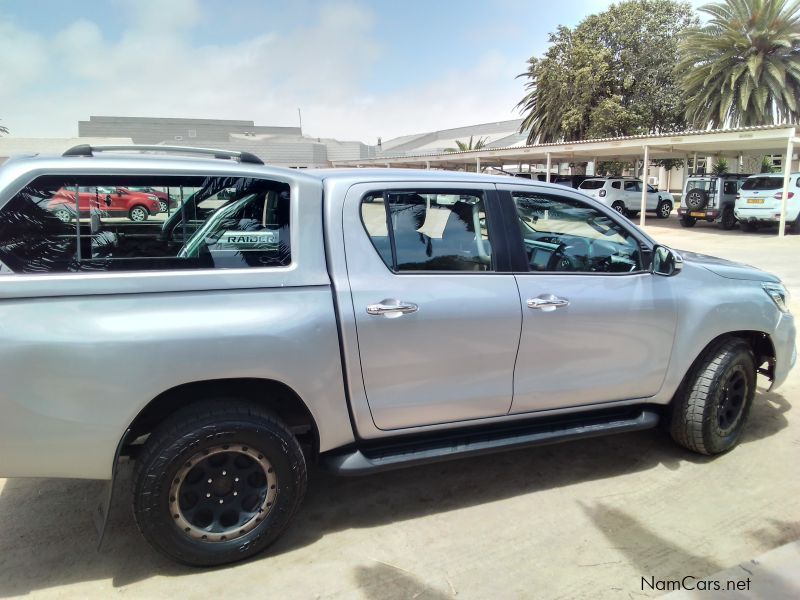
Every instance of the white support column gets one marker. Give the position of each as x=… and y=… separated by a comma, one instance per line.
x=787, y=171
x=685, y=173
x=549, y=165
x=594, y=167
x=388, y=166
x=694, y=165
x=477, y=164
x=427, y=164
x=644, y=185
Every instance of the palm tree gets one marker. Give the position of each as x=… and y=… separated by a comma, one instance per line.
x=3, y=129
x=742, y=68
x=464, y=146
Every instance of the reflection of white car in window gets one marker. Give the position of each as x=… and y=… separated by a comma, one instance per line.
x=625, y=195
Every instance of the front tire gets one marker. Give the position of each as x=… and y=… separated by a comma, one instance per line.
x=711, y=408
x=138, y=214
x=664, y=209
x=218, y=482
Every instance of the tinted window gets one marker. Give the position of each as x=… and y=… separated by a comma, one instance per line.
x=729, y=187
x=592, y=184
x=428, y=231
x=562, y=234
x=123, y=223
x=763, y=183
x=632, y=186
x=615, y=185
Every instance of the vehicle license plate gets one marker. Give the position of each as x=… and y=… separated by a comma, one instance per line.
x=755, y=201
x=697, y=214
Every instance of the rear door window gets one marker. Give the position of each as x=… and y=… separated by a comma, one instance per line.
x=429, y=231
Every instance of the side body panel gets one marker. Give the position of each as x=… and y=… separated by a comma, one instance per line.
x=82, y=353
x=76, y=370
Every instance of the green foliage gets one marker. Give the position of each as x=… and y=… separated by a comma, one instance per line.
x=611, y=168
x=720, y=166
x=767, y=166
x=669, y=163
x=611, y=75
x=743, y=67
x=464, y=146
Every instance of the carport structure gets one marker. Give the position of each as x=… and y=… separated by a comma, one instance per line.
x=773, y=139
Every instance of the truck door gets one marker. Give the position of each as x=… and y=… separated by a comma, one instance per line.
x=437, y=320
x=597, y=325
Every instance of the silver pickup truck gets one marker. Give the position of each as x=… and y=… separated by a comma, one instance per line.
x=361, y=319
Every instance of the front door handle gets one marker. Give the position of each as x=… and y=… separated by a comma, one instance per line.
x=547, y=302
x=392, y=308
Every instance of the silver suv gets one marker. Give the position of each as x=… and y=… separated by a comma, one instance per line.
x=624, y=195
x=365, y=320
x=711, y=198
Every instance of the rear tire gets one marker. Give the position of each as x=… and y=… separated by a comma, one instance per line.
x=711, y=408
x=688, y=221
x=794, y=226
x=257, y=475
x=619, y=206
x=727, y=220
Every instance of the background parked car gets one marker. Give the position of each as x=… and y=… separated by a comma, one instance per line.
x=168, y=202
x=710, y=198
x=758, y=203
x=136, y=206
x=625, y=195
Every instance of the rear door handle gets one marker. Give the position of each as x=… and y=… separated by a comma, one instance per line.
x=392, y=308
x=547, y=302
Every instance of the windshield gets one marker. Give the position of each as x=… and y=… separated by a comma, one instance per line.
x=592, y=184
x=763, y=183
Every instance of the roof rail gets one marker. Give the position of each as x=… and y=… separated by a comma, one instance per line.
x=88, y=150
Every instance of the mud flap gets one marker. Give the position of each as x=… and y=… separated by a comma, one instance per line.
x=103, y=506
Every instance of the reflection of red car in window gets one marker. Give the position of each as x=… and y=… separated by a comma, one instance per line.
x=167, y=202
x=116, y=202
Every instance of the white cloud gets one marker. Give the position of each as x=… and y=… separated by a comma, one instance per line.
x=152, y=68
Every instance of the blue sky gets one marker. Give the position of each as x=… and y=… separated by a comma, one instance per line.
x=357, y=69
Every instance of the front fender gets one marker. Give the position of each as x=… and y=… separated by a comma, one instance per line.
x=711, y=306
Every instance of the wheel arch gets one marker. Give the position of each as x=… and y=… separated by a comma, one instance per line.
x=272, y=394
x=760, y=343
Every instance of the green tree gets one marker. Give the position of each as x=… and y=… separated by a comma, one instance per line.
x=612, y=75
x=720, y=166
x=464, y=146
x=742, y=68
x=3, y=129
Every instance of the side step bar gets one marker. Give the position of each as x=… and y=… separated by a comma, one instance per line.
x=361, y=461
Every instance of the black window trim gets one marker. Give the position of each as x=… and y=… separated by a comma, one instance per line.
x=517, y=244
x=496, y=226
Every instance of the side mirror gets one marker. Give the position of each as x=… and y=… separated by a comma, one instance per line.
x=666, y=262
